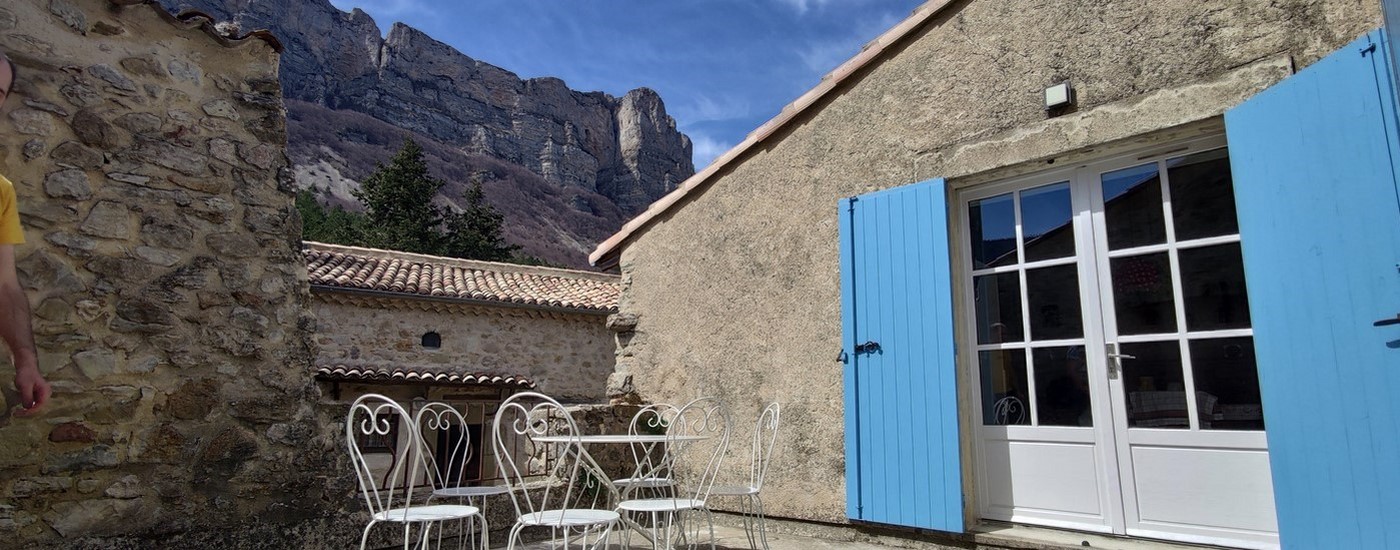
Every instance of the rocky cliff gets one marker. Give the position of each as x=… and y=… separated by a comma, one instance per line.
x=625, y=149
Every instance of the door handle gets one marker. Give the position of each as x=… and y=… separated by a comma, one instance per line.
x=1387, y=322
x=1116, y=358
x=868, y=347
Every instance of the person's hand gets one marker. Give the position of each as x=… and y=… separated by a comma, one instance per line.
x=33, y=390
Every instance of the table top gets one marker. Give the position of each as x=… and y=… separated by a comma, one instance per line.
x=618, y=438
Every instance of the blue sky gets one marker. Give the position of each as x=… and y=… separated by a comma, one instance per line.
x=723, y=67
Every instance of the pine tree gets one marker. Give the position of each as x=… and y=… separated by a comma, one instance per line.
x=400, y=215
x=333, y=225
x=398, y=201
x=475, y=232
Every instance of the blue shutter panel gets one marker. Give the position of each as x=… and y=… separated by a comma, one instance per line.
x=1313, y=160
x=902, y=455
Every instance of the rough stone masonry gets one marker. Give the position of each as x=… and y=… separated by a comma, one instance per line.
x=169, y=293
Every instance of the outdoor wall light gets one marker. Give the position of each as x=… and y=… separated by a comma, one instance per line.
x=1059, y=95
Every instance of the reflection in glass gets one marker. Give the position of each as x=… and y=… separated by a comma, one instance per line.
x=1045, y=222
x=1062, y=387
x=1203, y=198
x=1142, y=294
x=1004, y=397
x=1053, y=293
x=1132, y=204
x=1155, y=385
x=998, y=308
x=993, y=223
x=1225, y=373
x=1212, y=279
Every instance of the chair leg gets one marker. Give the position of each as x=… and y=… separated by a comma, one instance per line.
x=364, y=539
x=513, y=536
x=711, y=517
x=746, y=508
x=762, y=527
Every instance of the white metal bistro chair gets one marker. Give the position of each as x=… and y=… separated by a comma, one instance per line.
x=554, y=485
x=652, y=474
x=696, y=442
x=765, y=433
x=374, y=415
x=445, y=429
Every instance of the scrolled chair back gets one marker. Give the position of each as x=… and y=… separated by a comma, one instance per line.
x=698, y=440
x=651, y=460
x=377, y=415
x=445, y=424
x=545, y=475
x=765, y=435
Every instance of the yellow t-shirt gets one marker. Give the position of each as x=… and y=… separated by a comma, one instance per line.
x=10, y=231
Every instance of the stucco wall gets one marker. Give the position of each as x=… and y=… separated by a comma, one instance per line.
x=569, y=356
x=162, y=262
x=736, y=292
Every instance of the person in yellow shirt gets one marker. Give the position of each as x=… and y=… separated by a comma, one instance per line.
x=14, y=305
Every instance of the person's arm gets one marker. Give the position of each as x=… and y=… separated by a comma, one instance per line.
x=17, y=333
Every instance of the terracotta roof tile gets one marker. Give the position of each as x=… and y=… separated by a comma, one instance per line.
x=354, y=268
x=424, y=375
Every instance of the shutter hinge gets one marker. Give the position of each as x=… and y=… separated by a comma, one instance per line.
x=841, y=357
x=1369, y=49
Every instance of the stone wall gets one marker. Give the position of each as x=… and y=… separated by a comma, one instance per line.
x=569, y=356
x=168, y=289
x=736, y=293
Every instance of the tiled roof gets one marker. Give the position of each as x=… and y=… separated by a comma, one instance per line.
x=423, y=375
x=870, y=53
x=418, y=275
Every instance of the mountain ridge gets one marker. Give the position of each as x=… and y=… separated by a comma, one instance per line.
x=625, y=149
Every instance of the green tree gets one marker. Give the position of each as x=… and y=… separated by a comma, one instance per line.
x=333, y=225
x=475, y=232
x=400, y=215
x=398, y=200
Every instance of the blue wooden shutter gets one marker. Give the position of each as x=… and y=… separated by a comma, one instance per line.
x=1314, y=160
x=902, y=462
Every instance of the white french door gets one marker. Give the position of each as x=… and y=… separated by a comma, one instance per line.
x=1115, y=374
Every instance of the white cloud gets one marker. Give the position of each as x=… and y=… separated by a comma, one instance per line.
x=802, y=6
x=705, y=149
x=387, y=8
x=822, y=57
x=705, y=108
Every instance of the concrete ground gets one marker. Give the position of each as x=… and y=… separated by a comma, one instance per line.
x=727, y=538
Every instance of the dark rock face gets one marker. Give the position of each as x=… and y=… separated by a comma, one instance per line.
x=626, y=149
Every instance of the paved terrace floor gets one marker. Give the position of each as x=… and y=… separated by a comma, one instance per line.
x=729, y=536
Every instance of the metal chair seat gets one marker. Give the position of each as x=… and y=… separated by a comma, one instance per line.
x=661, y=504
x=733, y=490
x=432, y=512
x=573, y=517
x=643, y=482
x=471, y=492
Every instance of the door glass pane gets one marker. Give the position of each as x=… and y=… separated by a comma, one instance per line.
x=998, y=308
x=1045, y=222
x=1226, y=376
x=1203, y=199
x=1142, y=294
x=1053, y=293
x=1132, y=207
x=1004, y=397
x=1212, y=279
x=993, y=224
x=1155, y=385
x=1061, y=387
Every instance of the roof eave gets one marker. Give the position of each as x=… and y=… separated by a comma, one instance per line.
x=460, y=300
